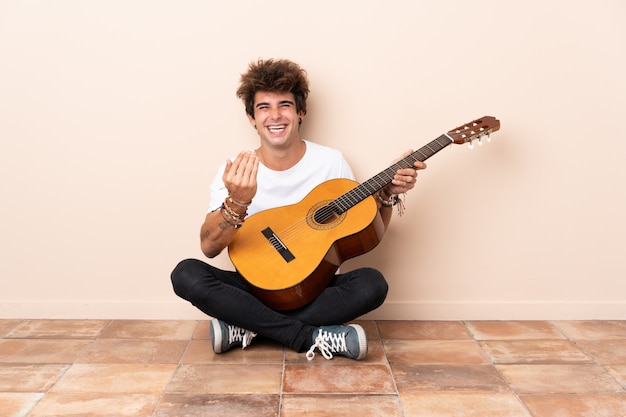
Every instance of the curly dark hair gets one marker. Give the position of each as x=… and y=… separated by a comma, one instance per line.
x=278, y=76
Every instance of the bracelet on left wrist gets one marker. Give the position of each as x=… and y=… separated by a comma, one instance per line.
x=386, y=193
x=391, y=200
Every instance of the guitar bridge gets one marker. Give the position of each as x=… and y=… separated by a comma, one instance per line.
x=278, y=244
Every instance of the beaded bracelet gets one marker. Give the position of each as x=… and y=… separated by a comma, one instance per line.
x=237, y=203
x=236, y=223
x=393, y=200
x=234, y=219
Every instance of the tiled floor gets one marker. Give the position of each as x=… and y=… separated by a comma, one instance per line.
x=414, y=368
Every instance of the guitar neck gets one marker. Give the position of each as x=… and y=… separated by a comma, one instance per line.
x=382, y=179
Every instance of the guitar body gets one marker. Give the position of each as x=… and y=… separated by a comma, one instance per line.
x=289, y=254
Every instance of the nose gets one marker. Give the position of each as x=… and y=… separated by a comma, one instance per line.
x=274, y=112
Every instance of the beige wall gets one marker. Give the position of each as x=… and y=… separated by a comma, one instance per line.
x=115, y=114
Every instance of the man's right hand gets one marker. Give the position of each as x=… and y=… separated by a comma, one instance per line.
x=240, y=176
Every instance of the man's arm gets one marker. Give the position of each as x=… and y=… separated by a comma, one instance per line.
x=216, y=233
x=403, y=181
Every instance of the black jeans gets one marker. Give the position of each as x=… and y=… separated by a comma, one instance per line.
x=226, y=295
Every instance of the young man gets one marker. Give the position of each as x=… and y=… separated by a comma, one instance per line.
x=281, y=171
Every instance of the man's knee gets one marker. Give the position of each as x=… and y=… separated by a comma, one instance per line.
x=183, y=278
x=377, y=284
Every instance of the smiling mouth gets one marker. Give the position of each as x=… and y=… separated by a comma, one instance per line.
x=276, y=129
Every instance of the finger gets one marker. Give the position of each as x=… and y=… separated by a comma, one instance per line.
x=405, y=178
x=255, y=167
x=229, y=172
x=406, y=174
x=419, y=165
x=233, y=166
x=229, y=164
x=249, y=166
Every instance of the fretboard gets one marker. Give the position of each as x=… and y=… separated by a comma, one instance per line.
x=380, y=180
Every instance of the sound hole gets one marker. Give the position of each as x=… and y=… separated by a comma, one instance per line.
x=324, y=215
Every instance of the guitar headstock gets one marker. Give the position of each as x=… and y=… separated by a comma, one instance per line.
x=475, y=129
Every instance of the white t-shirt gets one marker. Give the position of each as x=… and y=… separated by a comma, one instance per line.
x=281, y=188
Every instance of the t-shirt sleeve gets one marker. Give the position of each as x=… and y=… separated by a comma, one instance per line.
x=218, y=190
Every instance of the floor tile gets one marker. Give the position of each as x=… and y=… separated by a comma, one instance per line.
x=341, y=405
x=463, y=404
x=200, y=352
x=41, y=350
x=18, y=404
x=117, y=378
x=605, y=351
x=150, y=329
x=96, y=404
x=134, y=351
x=203, y=330
x=166, y=368
x=338, y=378
x=6, y=325
x=559, y=379
x=422, y=330
x=619, y=373
x=59, y=329
x=576, y=405
x=533, y=351
x=476, y=379
x=370, y=327
x=513, y=330
x=29, y=377
x=231, y=405
x=434, y=352
x=226, y=379
x=593, y=329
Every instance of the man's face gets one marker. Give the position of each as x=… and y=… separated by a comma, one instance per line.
x=275, y=118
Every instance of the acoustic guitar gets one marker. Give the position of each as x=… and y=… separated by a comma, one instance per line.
x=289, y=254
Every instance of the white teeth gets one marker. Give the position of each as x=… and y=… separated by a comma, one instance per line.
x=275, y=128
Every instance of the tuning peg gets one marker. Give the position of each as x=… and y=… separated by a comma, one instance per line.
x=470, y=145
x=488, y=138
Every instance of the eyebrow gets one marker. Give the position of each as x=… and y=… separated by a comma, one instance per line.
x=265, y=103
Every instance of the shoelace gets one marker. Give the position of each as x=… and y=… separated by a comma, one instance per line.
x=237, y=334
x=337, y=344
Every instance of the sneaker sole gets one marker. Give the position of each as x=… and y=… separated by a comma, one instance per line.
x=216, y=336
x=362, y=340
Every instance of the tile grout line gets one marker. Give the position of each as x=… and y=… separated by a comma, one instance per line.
x=69, y=366
x=178, y=365
x=7, y=336
x=593, y=361
x=282, y=383
x=493, y=365
x=393, y=378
